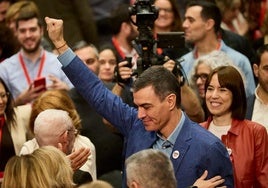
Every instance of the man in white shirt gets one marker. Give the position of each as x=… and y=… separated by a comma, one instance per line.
x=257, y=109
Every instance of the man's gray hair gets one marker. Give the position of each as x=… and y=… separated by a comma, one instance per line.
x=150, y=168
x=50, y=124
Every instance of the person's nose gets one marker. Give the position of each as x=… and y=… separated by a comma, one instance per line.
x=141, y=113
x=215, y=93
x=27, y=33
x=199, y=81
x=107, y=65
x=185, y=24
x=1, y=100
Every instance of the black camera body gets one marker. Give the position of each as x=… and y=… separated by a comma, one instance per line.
x=146, y=13
x=145, y=44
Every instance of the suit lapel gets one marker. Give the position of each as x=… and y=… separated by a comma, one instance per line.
x=182, y=144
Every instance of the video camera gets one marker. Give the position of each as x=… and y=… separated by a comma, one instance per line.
x=145, y=44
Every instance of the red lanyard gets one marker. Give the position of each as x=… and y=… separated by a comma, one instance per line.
x=24, y=68
x=117, y=47
x=196, y=52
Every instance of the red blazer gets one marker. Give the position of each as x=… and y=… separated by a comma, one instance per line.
x=248, y=142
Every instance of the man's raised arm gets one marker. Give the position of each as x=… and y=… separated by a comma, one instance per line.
x=55, y=33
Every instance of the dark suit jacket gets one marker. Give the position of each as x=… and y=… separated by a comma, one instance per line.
x=250, y=106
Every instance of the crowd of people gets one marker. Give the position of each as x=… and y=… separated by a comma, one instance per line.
x=76, y=111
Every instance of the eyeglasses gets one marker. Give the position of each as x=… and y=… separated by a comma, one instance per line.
x=4, y=95
x=90, y=61
x=71, y=130
x=74, y=131
x=202, y=76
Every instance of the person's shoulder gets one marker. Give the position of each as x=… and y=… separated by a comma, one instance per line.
x=253, y=127
x=82, y=141
x=29, y=146
x=23, y=108
x=11, y=61
x=187, y=55
x=202, y=135
x=233, y=53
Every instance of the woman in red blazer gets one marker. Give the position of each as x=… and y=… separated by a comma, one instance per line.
x=246, y=141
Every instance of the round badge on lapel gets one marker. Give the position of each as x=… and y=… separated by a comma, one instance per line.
x=175, y=154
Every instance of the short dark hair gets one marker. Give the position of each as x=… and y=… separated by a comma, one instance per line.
x=162, y=80
x=259, y=53
x=27, y=12
x=209, y=11
x=230, y=78
x=119, y=16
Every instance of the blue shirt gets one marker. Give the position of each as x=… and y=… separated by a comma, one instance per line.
x=239, y=60
x=166, y=145
x=12, y=73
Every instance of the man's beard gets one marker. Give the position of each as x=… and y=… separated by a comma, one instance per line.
x=32, y=50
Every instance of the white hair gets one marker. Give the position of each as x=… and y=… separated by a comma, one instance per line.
x=49, y=124
x=213, y=60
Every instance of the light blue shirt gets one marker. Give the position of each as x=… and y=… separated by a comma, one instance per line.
x=166, y=145
x=12, y=73
x=239, y=60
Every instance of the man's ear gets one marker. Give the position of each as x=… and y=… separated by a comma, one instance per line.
x=134, y=184
x=210, y=24
x=126, y=27
x=256, y=69
x=171, y=100
x=64, y=138
x=42, y=31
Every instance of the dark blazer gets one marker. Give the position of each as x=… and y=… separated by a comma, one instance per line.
x=195, y=149
x=250, y=106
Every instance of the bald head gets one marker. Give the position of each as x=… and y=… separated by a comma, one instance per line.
x=50, y=127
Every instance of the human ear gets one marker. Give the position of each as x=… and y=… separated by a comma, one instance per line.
x=171, y=100
x=256, y=69
x=134, y=184
x=210, y=24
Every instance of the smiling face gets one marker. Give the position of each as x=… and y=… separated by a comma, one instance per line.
x=218, y=98
x=3, y=99
x=165, y=17
x=29, y=35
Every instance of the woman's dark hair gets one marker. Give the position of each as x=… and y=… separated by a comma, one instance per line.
x=230, y=78
x=8, y=42
x=108, y=46
x=9, y=111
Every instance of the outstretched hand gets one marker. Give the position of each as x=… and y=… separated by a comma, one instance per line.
x=79, y=157
x=210, y=183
